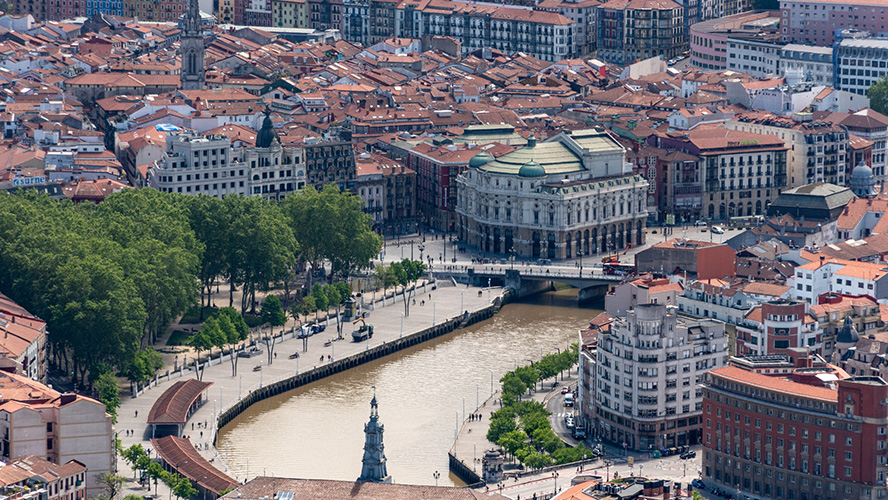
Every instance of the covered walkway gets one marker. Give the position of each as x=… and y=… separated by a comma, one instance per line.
x=179, y=456
x=176, y=404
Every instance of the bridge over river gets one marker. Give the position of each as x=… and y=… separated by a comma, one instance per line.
x=529, y=279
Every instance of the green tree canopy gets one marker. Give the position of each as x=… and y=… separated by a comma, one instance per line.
x=345, y=238
x=878, y=95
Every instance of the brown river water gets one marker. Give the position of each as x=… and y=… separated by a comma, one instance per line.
x=317, y=431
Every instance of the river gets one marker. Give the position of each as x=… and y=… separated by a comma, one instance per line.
x=317, y=431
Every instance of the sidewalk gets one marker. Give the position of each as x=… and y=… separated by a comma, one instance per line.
x=446, y=302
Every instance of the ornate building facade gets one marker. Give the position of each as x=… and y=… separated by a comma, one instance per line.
x=331, y=163
x=569, y=196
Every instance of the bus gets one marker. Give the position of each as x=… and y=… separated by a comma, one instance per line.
x=618, y=268
x=750, y=220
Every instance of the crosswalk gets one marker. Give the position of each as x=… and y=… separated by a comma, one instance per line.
x=563, y=414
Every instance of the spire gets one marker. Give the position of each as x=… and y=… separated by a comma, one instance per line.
x=373, y=464
x=191, y=48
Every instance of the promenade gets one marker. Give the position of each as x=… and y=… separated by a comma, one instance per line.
x=389, y=324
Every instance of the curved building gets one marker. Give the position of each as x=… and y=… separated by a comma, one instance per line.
x=571, y=195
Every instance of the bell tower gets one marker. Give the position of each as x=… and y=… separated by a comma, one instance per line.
x=191, y=45
x=373, y=468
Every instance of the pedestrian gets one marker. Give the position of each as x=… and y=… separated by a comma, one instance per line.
x=192, y=425
x=275, y=355
x=137, y=413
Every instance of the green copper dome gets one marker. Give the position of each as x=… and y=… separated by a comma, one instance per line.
x=532, y=169
x=480, y=159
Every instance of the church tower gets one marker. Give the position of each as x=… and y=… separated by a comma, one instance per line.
x=191, y=45
x=373, y=468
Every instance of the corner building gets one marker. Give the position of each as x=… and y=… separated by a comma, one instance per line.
x=571, y=195
x=805, y=434
x=648, y=367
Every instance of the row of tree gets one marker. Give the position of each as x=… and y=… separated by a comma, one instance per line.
x=142, y=464
x=523, y=379
x=522, y=428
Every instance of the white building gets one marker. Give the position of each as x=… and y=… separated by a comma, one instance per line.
x=807, y=63
x=755, y=55
x=862, y=62
x=839, y=276
x=199, y=165
x=649, y=365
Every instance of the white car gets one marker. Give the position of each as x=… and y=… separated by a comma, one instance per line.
x=700, y=223
x=718, y=230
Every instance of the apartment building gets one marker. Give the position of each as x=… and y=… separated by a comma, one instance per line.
x=543, y=32
x=779, y=325
x=648, y=367
x=816, y=22
x=755, y=55
x=839, y=276
x=862, y=61
x=709, y=38
x=290, y=13
x=199, y=165
x=330, y=162
x=37, y=420
x=807, y=63
x=744, y=172
x=195, y=164
x=631, y=30
x=802, y=433
x=817, y=151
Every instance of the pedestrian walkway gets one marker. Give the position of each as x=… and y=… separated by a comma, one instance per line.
x=389, y=323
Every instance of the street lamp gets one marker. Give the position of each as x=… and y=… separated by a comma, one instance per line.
x=607, y=468
x=421, y=248
x=555, y=477
x=436, y=475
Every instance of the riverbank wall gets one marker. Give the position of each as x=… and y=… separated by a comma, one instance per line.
x=348, y=362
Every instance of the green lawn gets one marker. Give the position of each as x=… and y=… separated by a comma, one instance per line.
x=192, y=315
x=179, y=337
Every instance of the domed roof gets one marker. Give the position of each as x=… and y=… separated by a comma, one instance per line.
x=862, y=170
x=480, y=159
x=847, y=334
x=266, y=134
x=532, y=169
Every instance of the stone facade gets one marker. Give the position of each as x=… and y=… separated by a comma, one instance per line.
x=580, y=200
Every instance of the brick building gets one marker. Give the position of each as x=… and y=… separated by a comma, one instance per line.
x=700, y=259
x=808, y=432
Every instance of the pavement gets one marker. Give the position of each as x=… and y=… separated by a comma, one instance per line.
x=446, y=302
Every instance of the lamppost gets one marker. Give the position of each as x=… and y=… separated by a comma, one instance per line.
x=421, y=248
x=607, y=468
x=488, y=290
x=402, y=326
x=555, y=477
x=436, y=475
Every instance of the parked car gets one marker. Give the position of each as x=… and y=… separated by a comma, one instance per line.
x=570, y=423
x=579, y=432
x=701, y=223
x=688, y=454
x=700, y=485
x=718, y=230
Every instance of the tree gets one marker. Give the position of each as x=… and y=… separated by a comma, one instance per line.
x=501, y=422
x=296, y=311
x=878, y=95
x=512, y=441
x=209, y=336
x=133, y=456
x=209, y=220
x=335, y=299
x=182, y=487
x=274, y=315
x=109, y=393
x=322, y=303
x=513, y=387
x=407, y=272
x=234, y=331
x=385, y=277
x=112, y=483
x=345, y=238
x=143, y=365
